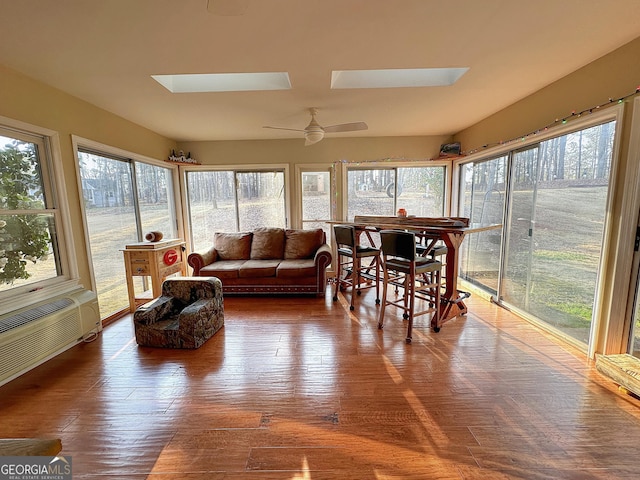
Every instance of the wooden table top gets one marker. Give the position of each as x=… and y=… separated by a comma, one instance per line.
x=11, y=447
x=435, y=224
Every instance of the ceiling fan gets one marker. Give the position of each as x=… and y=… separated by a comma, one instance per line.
x=314, y=132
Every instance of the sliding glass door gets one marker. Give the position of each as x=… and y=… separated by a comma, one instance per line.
x=123, y=199
x=482, y=195
x=520, y=248
x=556, y=225
x=554, y=200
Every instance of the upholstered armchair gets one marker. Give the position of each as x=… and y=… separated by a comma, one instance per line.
x=188, y=313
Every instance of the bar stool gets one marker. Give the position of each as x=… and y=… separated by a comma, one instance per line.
x=437, y=250
x=418, y=276
x=350, y=256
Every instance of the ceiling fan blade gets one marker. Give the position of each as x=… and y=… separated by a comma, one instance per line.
x=346, y=127
x=283, y=128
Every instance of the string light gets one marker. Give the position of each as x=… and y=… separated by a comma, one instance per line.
x=520, y=138
x=563, y=121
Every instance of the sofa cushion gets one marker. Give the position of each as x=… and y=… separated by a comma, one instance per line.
x=296, y=268
x=302, y=243
x=223, y=269
x=267, y=244
x=258, y=268
x=233, y=246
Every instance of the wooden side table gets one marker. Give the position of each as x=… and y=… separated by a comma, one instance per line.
x=157, y=260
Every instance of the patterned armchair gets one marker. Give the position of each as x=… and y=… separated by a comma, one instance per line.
x=189, y=312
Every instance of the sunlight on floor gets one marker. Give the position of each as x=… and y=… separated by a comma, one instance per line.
x=306, y=474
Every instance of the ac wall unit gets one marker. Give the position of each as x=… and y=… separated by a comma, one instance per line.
x=34, y=334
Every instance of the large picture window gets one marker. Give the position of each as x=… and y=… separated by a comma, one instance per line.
x=30, y=220
x=233, y=201
x=420, y=190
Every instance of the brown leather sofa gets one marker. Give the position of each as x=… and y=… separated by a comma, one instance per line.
x=267, y=261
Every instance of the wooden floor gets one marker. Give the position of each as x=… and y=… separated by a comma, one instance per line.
x=301, y=388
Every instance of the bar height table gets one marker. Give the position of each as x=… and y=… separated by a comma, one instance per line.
x=450, y=230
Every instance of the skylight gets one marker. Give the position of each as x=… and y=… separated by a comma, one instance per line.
x=224, y=82
x=395, y=78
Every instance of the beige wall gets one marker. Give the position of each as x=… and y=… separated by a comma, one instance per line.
x=328, y=151
x=27, y=100
x=612, y=76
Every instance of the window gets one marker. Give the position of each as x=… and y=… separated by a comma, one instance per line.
x=315, y=197
x=482, y=196
x=123, y=200
x=233, y=201
x=558, y=201
x=32, y=254
x=420, y=190
x=551, y=198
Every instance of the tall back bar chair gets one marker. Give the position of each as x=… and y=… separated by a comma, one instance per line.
x=418, y=276
x=351, y=272
x=436, y=249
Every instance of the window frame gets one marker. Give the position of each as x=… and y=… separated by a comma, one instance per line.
x=605, y=334
x=394, y=164
x=80, y=143
x=56, y=204
x=298, y=221
x=244, y=168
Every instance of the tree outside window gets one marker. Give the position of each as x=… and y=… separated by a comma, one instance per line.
x=25, y=222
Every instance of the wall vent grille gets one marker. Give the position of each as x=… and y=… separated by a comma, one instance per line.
x=36, y=313
x=35, y=334
x=40, y=343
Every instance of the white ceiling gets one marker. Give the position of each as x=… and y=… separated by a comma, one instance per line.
x=105, y=51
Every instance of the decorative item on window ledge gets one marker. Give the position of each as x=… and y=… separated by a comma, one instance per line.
x=448, y=149
x=153, y=236
x=182, y=158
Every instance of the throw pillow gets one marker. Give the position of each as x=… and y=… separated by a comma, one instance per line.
x=233, y=246
x=267, y=244
x=302, y=243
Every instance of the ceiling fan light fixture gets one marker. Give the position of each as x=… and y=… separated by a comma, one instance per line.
x=314, y=132
x=313, y=136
